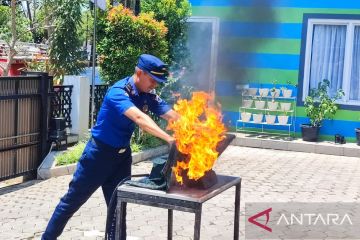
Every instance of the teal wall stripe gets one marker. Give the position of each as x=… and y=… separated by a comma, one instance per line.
x=260, y=75
x=259, y=45
x=261, y=30
x=260, y=60
x=350, y=4
x=260, y=42
x=261, y=14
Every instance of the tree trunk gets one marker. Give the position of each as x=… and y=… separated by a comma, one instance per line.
x=31, y=19
x=12, y=51
x=48, y=23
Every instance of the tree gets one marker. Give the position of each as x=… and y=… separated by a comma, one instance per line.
x=174, y=13
x=4, y=16
x=5, y=3
x=65, y=45
x=125, y=37
x=12, y=29
x=21, y=24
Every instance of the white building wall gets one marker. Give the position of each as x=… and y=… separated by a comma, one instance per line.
x=80, y=104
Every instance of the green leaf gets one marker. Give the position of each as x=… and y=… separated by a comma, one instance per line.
x=319, y=105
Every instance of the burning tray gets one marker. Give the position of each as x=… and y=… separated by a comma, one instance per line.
x=208, y=180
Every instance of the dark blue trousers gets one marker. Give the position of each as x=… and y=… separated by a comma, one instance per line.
x=99, y=165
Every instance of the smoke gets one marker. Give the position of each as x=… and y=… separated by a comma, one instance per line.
x=260, y=12
x=191, y=69
x=200, y=74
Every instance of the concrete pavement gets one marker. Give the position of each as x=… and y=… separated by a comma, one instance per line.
x=268, y=175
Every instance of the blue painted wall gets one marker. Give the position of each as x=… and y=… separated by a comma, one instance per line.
x=259, y=42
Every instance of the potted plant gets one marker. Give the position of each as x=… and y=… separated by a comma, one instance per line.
x=285, y=106
x=263, y=91
x=250, y=91
x=247, y=103
x=38, y=65
x=319, y=105
x=259, y=103
x=274, y=92
x=245, y=116
x=285, y=91
x=272, y=105
x=357, y=133
x=258, y=117
x=270, y=119
x=283, y=118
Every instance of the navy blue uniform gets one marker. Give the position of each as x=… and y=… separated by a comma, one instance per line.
x=106, y=159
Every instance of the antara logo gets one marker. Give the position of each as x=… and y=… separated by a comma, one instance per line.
x=266, y=212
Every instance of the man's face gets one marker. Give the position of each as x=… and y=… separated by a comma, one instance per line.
x=146, y=83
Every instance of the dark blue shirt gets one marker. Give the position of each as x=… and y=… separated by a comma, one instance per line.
x=112, y=126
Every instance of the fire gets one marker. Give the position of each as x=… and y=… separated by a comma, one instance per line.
x=197, y=134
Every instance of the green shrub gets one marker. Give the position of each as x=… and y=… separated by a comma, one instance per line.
x=174, y=13
x=22, y=23
x=65, y=45
x=135, y=147
x=125, y=37
x=70, y=156
x=73, y=154
x=319, y=105
x=141, y=141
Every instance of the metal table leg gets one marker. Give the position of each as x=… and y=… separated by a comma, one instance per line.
x=237, y=211
x=120, y=220
x=197, y=224
x=170, y=223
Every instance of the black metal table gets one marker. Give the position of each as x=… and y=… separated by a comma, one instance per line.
x=181, y=199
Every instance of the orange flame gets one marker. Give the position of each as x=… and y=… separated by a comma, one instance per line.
x=197, y=133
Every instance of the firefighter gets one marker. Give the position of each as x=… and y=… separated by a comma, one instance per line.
x=106, y=159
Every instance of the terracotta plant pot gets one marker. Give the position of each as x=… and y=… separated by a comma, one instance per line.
x=263, y=92
x=245, y=116
x=273, y=105
x=270, y=119
x=260, y=104
x=258, y=118
x=247, y=103
x=250, y=91
x=275, y=93
x=286, y=93
x=283, y=120
x=285, y=106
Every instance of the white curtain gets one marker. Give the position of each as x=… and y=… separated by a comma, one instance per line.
x=327, y=56
x=355, y=70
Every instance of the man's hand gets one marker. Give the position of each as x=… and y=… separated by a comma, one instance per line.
x=171, y=115
x=147, y=124
x=171, y=140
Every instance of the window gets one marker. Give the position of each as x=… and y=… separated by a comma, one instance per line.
x=333, y=52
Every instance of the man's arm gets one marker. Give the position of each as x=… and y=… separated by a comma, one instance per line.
x=170, y=115
x=147, y=124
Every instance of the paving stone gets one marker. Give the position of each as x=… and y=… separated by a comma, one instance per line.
x=267, y=175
